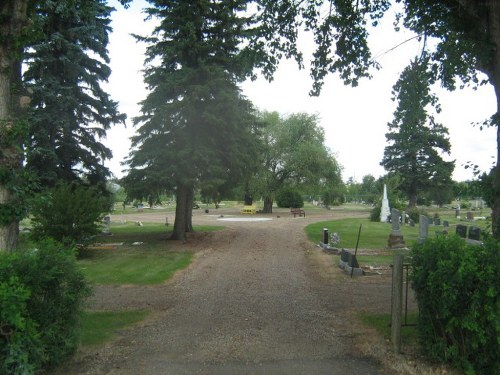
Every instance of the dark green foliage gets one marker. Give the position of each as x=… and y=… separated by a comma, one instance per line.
x=41, y=296
x=414, y=213
x=289, y=198
x=415, y=141
x=196, y=129
x=66, y=66
x=375, y=213
x=69, y=214
x=457, y=288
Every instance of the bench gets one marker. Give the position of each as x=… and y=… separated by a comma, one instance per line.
x=249, y=210
x=297, y=211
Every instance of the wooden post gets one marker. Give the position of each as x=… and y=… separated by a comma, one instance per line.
x=397, y=302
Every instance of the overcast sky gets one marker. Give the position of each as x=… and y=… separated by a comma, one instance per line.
x=354, y=119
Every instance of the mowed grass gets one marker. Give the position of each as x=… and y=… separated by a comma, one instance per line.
x=143, y=258
x=374, y=235
x=102, y=326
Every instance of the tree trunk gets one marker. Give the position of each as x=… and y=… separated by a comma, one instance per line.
x=268, y=205
x=13, y=17
x=179, y=231
x=189, y=210
x=494, y=32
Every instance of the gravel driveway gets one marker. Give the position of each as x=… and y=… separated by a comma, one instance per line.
x=258, y=299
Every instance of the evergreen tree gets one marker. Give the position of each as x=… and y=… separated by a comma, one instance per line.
x=13, y=23
x=415, y=141
x=66, y=65
x=195, y=127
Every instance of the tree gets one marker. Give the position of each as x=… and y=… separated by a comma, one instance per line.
x=369, y=190
x=466, y=35
x=66, y=64
x=415, y=140
x=195, y=126
x=294, y=154
x=13, y=23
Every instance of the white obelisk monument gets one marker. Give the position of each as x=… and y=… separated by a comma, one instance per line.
x=385, y=211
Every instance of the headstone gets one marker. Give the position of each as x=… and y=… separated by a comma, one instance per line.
x=403, y=218
x=106, y=225
x=396, y=239
x=457, y=212
x=461, y=230
x=470, y=215
x=423, y=228
x=395, y=222
x=474, y=233
x=446, y=223
x=437, y=221
x=325, y=236
x=385, y=210
x=352, y=261
x=412, y=223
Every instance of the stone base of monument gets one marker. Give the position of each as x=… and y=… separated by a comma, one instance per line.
x=328, y=249
x=349, y=263
x=396, y=241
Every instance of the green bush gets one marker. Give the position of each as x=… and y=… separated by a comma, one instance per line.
x=41, y=296
x=457, y=289
x=375, y=213
x=70, y=214
x=287, y=198
x=414, y=213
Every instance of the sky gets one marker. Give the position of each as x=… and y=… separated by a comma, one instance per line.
x=354, y=119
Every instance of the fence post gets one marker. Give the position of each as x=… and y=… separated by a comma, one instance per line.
x=397, y=302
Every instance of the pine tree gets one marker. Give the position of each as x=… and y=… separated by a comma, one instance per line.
x=195, y=127
x=415, y=140
x=66, y=65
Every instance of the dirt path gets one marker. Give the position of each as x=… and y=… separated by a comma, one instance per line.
x=258, y=299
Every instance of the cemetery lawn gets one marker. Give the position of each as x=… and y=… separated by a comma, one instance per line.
x=100, y=327
x=374, y=235
x=134, y=255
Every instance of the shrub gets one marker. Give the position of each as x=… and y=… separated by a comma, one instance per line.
x=289, y=198
x=414, y=213
x=41, y=297
x=457, y=289
x=375, y=213
x=69, y=214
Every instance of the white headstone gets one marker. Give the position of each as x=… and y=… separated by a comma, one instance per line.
x=385, y=211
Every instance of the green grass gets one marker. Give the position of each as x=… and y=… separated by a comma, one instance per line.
x=381, y=323
x=132, y=266
x=374, y=235
x=99, y=327
x=150, y=262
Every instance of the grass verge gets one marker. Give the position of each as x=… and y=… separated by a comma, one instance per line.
x=374, y=235
x=99, y=327
x=382, y=324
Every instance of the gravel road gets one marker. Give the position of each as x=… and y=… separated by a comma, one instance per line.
x=257, y=299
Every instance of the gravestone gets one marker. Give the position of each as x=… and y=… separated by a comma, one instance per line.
x=412, y=223
x=423, y=228
x=470, y=215
x=437, y=221
x=385, y=210
x=403, y=218
x=446, y=223
x=474, y=233
x=396, y=239
x=106, y=225
x=461, y=230
x=349, y=263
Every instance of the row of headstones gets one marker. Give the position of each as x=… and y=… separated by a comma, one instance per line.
x=474, y=233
